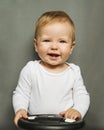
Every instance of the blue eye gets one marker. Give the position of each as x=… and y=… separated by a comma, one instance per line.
x=46, y=40
x=62, y=41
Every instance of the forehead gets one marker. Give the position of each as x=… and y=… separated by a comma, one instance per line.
x=56, y=27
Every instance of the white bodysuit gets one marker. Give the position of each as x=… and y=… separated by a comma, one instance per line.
x=42, y=92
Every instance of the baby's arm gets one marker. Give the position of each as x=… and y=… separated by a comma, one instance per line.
x=20, y=114
x=21, y=95
x=81, y=98
x=71, y=113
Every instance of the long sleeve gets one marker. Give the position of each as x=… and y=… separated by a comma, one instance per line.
x=80, y=95
x=21, y=94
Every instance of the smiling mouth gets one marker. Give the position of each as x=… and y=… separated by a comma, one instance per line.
x=53, y=55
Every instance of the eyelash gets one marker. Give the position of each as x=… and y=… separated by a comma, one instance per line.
x=62, y=41
x=46, y=40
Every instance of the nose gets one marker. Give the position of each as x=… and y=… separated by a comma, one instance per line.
x=54, y=46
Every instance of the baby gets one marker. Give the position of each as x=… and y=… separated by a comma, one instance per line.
x=51, y=85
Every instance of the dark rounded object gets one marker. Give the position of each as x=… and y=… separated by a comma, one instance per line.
x=49, y=122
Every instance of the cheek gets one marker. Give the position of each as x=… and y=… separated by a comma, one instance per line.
x=67, y=53
x=42, y=49
x=66, y=50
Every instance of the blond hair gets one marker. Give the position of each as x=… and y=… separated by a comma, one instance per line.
x=51, y=17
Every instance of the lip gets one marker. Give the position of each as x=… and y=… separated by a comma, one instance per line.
x=53, y=55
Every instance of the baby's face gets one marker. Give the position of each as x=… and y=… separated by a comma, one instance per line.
x=54, y=43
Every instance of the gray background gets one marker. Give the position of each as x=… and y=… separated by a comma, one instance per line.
x=17, y=18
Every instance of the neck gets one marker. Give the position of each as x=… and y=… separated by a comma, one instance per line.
x=54, y=68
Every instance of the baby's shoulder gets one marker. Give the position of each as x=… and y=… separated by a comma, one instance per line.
x=32, y=63
x=74, y=67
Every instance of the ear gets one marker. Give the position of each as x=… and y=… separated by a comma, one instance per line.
x=35, y=45
x=72, y=46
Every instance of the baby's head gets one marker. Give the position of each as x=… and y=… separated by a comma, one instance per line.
x=53, y=17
